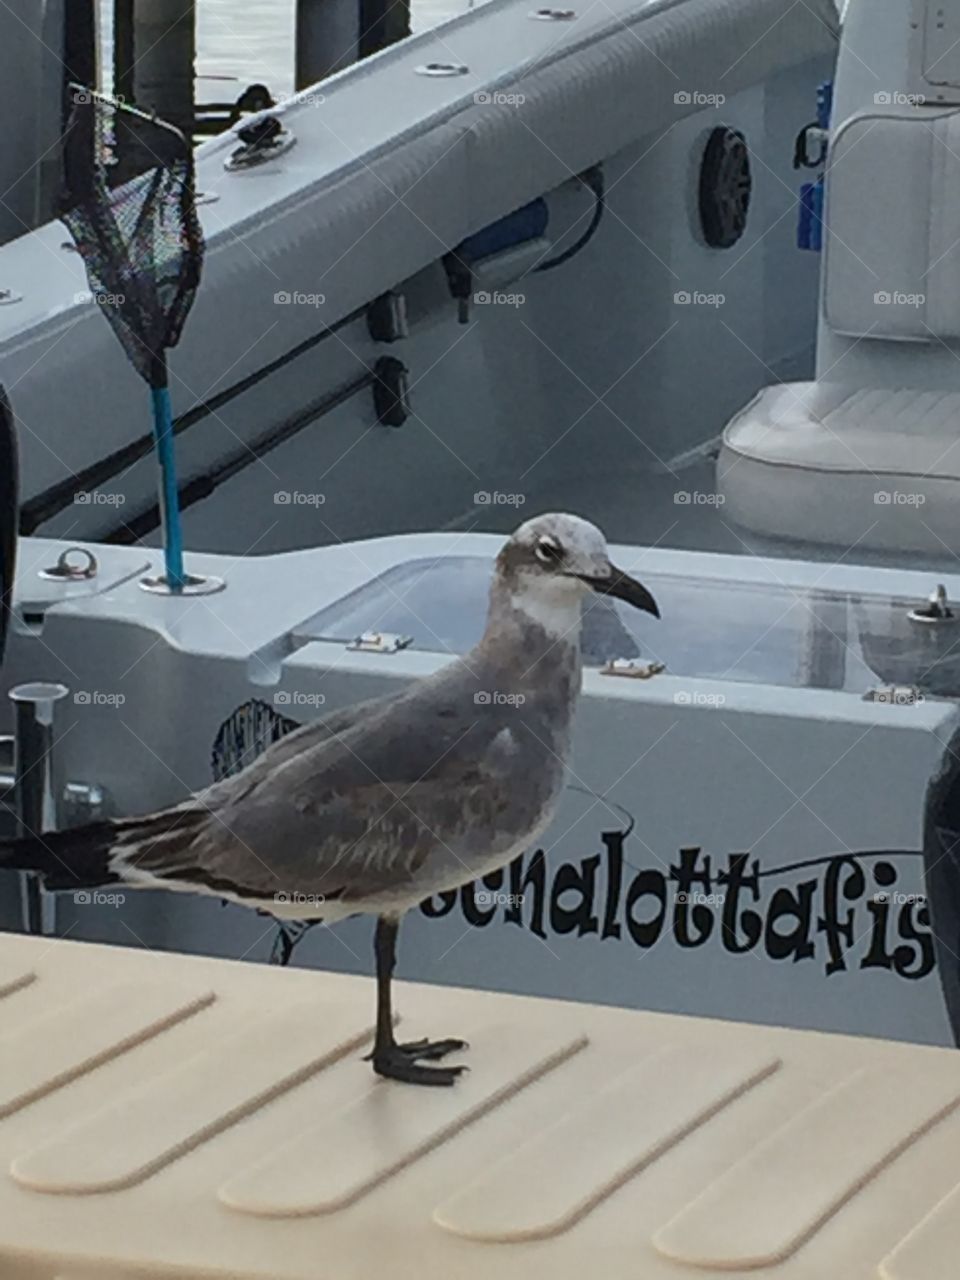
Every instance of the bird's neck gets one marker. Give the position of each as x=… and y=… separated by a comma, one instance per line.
x=529, y=630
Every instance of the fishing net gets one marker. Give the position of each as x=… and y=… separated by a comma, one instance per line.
x=130, y=205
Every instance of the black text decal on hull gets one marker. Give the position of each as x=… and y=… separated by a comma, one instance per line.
x=848, y=913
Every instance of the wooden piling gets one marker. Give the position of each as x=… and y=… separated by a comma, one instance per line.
x=332, y=34
x=165, y=54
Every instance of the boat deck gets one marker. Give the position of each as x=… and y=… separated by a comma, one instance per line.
x=175, y=1116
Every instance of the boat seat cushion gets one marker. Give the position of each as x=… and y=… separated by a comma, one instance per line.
x=892, y=253
x=864, y=466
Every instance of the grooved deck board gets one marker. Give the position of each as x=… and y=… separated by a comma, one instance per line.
x=170, y=1115
x=775, y=1198
x=386, y=1129
x=80, y=1036
x=551, y=1181
x=211, y=1120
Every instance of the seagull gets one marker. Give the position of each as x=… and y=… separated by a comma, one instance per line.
x=379, y=805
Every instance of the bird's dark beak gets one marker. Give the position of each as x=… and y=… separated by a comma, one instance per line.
x=623, y=587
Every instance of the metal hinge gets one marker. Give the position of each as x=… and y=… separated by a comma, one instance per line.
x=380, y=642
x=632, y=670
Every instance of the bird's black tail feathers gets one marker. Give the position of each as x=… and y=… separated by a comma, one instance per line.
x=104, y=852
x=74, y=859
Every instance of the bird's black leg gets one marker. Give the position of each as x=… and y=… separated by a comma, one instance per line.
x=402, y=1061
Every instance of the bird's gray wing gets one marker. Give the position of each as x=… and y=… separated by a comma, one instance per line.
x=305, y=737
x=359, y=812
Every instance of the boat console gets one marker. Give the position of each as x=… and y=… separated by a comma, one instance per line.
x=742, y=833
x=866, y=455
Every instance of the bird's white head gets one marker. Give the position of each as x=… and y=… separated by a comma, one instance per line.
x=551, y=562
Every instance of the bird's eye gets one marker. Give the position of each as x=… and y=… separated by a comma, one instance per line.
x=548, y=551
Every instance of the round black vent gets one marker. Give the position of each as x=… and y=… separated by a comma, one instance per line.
x=725, y=187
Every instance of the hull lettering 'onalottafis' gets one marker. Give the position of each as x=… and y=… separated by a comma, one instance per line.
x=845, y=913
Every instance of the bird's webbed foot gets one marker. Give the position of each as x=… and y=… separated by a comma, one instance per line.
x=403, y=1061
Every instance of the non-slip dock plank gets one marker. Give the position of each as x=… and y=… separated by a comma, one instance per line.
x=774, y=1199
x=145, y=1130
x=387, y=1128
x=80, y=1036
x=226, y=1147
x=552, y=1181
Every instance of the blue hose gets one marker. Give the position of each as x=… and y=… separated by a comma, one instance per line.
x=169, y=496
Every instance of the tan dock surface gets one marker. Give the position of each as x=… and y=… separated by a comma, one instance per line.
x=168, y=1115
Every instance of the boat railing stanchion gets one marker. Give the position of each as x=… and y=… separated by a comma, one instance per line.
x=34, y=787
